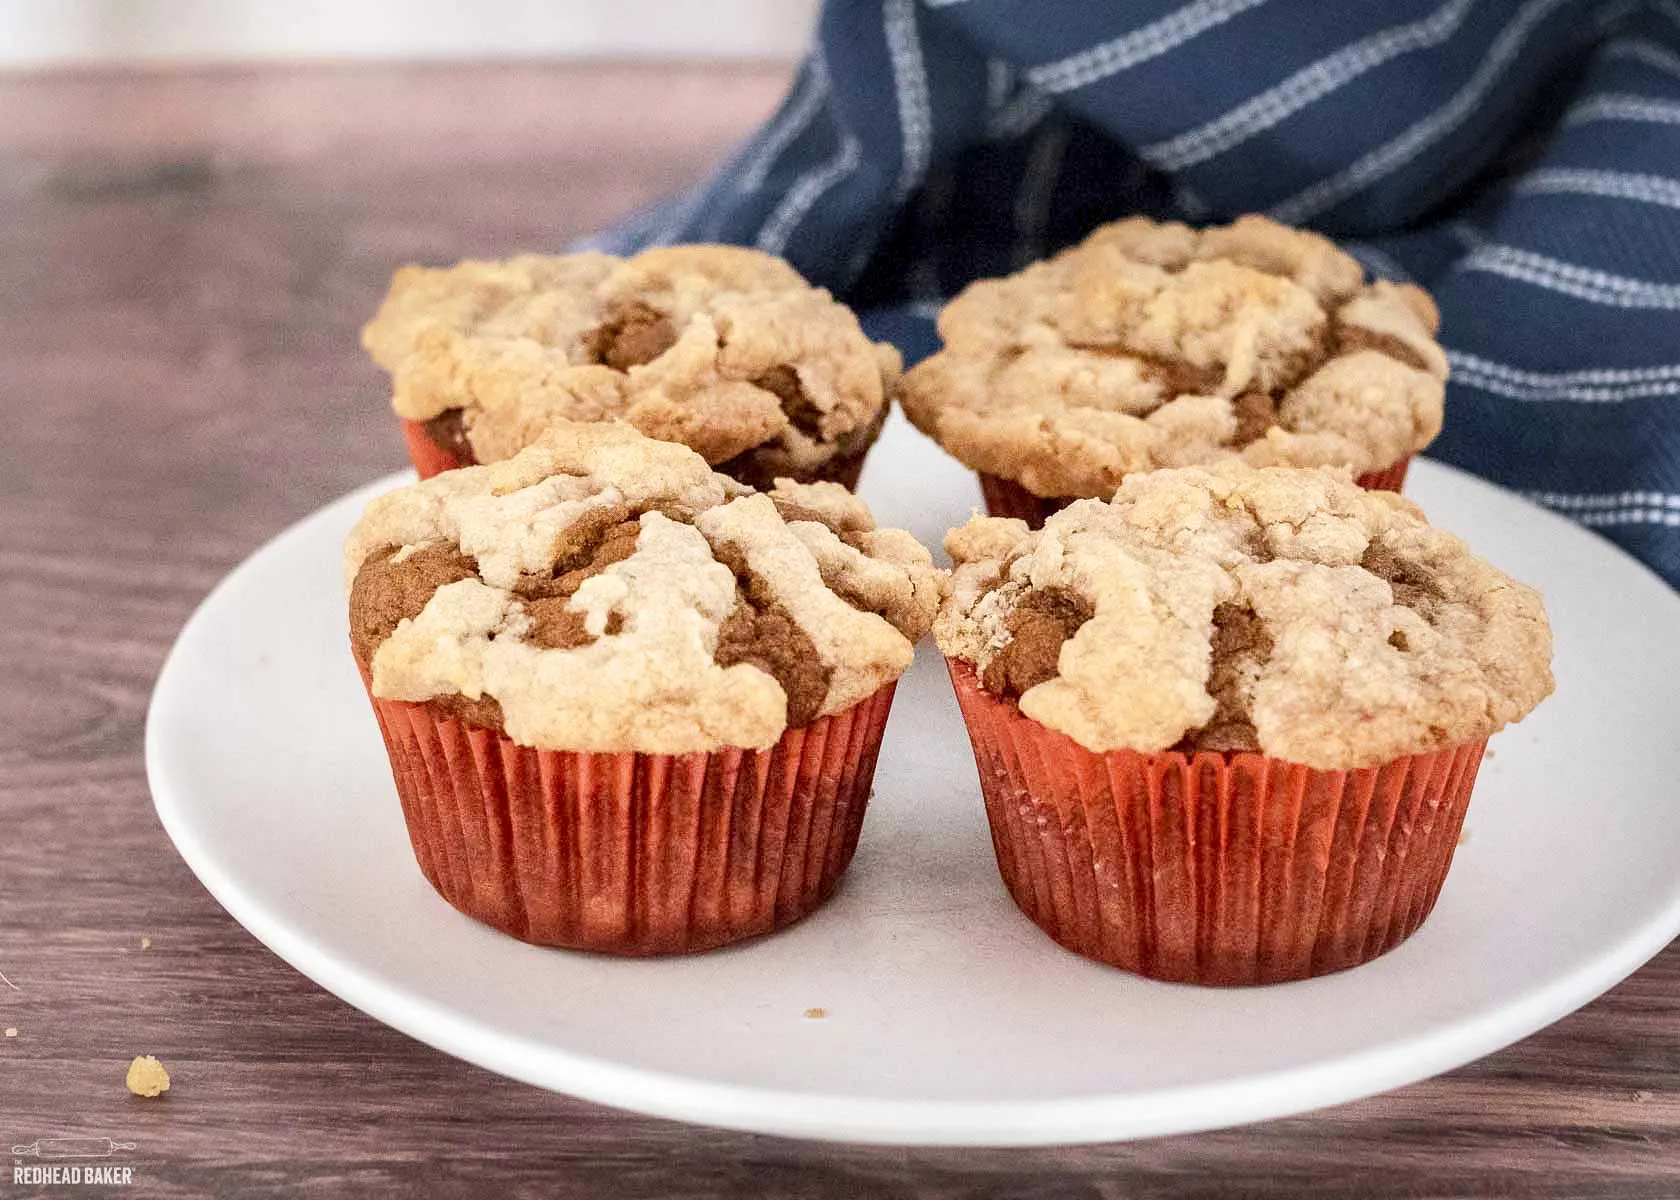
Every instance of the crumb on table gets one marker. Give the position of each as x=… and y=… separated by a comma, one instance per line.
x=11, y=1031
x=146, y=1076
x=145, y=943
x=816, y=1014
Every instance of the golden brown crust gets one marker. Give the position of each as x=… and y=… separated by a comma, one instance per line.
x=1230, y=608
x=603, y=591
x=724, y=349
x=1155, y=345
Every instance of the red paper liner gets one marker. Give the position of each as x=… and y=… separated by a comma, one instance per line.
x=845, y=467
x=428, y=457
x=431, y=459
x=1006, y=498
x=633, y=853
x=1388, y=479
x=845, y=470
x=1213, y=868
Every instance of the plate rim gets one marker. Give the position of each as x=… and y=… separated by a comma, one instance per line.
x=1086, y=1119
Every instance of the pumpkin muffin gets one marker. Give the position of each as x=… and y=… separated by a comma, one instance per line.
x=631, y=704
x=1156, y=345
x=725, y=350
x=1227, y=723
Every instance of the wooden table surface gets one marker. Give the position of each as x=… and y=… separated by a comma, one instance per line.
x=184, y=262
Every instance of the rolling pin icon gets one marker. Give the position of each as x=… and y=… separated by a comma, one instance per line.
x=72, y=1147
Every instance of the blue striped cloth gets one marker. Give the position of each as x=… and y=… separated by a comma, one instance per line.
x=1519, y=158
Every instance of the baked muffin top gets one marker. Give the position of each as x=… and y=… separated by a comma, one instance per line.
x=723, y=349
x=1281, y=610
x=602, y=591
x=1156, y=345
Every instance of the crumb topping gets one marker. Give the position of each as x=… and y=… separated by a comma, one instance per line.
x=1155, y=345
x=146, y=1077
x=1230, y=608
x=603, y=591
x=726, y=350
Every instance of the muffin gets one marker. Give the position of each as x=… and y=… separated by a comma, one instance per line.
x=631, y=705
x=725, y=350
x=1155, y=345
x=1227, y=723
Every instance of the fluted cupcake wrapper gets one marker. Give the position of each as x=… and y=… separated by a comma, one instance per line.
x=428, y=457
x=1006, y=498
x=633, y=853
x=1213, y=868
x=431, y=459
x=1389, y=479
x=844, y=469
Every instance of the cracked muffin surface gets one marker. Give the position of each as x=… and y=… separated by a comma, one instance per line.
x=1156, y=345
x=604, y=591
x=1279, y=610
x=723, y=349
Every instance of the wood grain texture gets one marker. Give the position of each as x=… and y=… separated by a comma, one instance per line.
x=184, y=262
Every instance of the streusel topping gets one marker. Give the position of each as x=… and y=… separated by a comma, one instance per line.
x=1281, y=610
x=603, y=591
x=1155, y=345
x=724, y=349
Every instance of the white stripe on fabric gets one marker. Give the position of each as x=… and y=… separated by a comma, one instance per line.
x=1378, y=262
x=943, y=3
x=1624, y=106
x=910, y=85
x=1036, y=190
x=793, y=121
x=796, y=204
x=1571, y=279
x=1613, y=508
x=1306, y=86
x=1613, y=185
x=684, y=212
x=1628, y=516
x=1587, y=501
x=654, y=225
x=1593, y=385
x=1651, y=54
x=619, y=238
x=1027, y=109
x=1613, y=14
x=1190, y=203
x=1000, y=83
x=1138, y=46
x=701, y=197
x=1398, y=151
x=710, y=228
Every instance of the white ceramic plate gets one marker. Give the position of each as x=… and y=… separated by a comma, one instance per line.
x=950, y=1018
